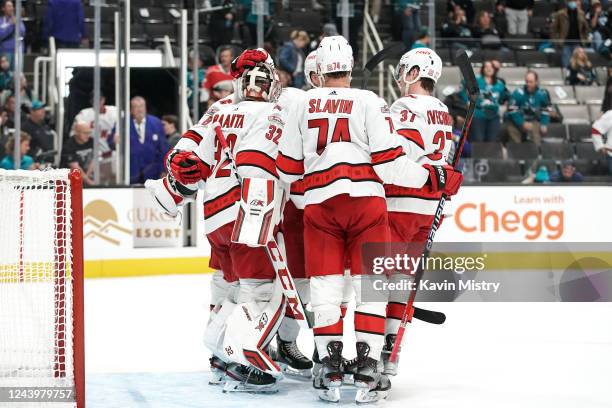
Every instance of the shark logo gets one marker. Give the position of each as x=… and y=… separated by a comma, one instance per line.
x=100, y=221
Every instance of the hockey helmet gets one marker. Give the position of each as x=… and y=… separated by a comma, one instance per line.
x=426, y=59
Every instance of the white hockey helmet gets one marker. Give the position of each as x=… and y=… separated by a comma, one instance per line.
x=334, y=55
x=260, y=82
x=310, y=66
x=426, y=59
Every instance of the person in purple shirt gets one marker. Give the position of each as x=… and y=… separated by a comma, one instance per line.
x=65, y=22
x=7, y=31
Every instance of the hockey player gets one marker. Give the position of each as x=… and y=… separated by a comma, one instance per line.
x=601, y=133
x=343, y=147
x=424, y=129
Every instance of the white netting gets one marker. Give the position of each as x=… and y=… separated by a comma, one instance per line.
x=36, y=341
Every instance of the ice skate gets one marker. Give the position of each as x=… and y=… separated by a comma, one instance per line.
x=390, y=367
x=329, y=378
x=368, y=377
x=291, y=359
x=217, y=371
x=348, y=371
x=241, y=378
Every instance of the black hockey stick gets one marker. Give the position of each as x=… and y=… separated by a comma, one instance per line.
x=379, y=57
x=465, y=66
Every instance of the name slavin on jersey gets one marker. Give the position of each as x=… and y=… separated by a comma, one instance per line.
x=435, y=117
x=230, y=120
x=331, y=106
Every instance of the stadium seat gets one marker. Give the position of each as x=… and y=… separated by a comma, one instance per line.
x=573, y=114
x=594, y=111
x=585, y=150
x=579, y=132
x=107, y=31
x=306, y=20
x=550, y=76
x=557, y=151
x=157, y=32
x=446, y=56
x=497, y=171
x=561, y=94
x=556, y=132
x=531, y=58
x=507, y=58
x=522, y=151
x=551, y=164
x=590, y=167
x=151, y=15
x=543, y=8
x=450, y=77
x=590, y=94
x=520, y=41
x=513, y=75
x=138, y=34
x=487, y=150
x=598, y=60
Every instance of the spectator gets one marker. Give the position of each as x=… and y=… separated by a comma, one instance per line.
x=9, y=109
x=26, y=93
x=108, y=119
x=528, y=112
x=600, y=26
x=147, y=143
x=466, y=5
x=6, y=74
x=291, y=57
x=517, y=16
x=7, y=31
x=568, y=174
x=457, y=30
x=217, y=85
x=27, y=162
x=200, y=77
x=422, y=40
x=77, y=153
x=225, y=56
x=542, y=175
x=329, y=30
x=221, y=27
x=4, y=131
x=493, y=93
x=411, y=22
x=601, y=134
x=486, y=31
x=499, y=18
x=581, y=70
x=606, y=104
x=570, y=27
x=38, y=129
x=65, y=21
x=170, y=123
x=246, y=8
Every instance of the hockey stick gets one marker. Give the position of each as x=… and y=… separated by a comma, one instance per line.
x=471, y=86
x=274, y=252
x=379, y=57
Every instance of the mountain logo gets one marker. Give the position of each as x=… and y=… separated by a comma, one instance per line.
x=100, y=221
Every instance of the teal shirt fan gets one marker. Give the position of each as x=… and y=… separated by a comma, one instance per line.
x=491, y=97
x=525, y=106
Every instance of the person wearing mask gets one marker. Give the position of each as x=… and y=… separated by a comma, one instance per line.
x=65, y=21
x=486, y=122
x=77, y=152
x=517, y=16
x=291, y=57
x=7, y=31
x=581, y=70
x=27, y=162
x=568, y=174
x=528, y=114
x=170, y=123
x=36, y=126
x=569, y=27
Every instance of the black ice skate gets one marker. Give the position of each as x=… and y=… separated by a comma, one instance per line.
x=328, y=380
x=217, y=371
x=291, y=359
x=390, y=367
x=349, y=367
x=241, y=378
x=368, y=377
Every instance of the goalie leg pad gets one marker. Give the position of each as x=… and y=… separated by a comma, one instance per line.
x=218, y=288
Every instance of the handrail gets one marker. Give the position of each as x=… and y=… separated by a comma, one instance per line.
x=170, y=62
x=372, y=44
x=43, y=62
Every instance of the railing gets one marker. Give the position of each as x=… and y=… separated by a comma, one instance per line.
x=372, y=45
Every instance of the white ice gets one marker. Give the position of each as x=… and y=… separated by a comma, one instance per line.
x=144, y=349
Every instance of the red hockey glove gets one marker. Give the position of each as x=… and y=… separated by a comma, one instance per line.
x=248, y=59
x=444, y=178
x=187, y=168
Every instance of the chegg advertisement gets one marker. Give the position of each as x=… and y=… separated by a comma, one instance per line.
x=529, y=214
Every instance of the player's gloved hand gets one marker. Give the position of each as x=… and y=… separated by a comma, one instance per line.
x=444, y=178
x=248, y=59
x=187, y=168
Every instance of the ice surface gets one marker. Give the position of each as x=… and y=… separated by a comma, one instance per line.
x=144, y=349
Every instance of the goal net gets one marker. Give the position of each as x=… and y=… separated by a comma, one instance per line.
x=41, y=281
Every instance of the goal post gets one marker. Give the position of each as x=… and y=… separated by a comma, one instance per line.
x=41, y=282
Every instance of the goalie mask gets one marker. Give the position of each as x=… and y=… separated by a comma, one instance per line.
x=427, y=61
x=260, y=83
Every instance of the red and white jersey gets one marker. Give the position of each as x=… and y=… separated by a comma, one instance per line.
x=252, y=130
x=289, y=101
x=601, y=132
x=424, y=129
x=108, y=120
x=341, y=142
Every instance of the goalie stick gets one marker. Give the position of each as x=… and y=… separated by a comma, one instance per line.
x=277, y=258
x=465, y=66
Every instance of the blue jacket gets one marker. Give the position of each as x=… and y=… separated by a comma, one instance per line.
x=490, y=98
x=9, y=164
x=147, y=159
x=64, y=21
x=524, y=106
x=7, y=34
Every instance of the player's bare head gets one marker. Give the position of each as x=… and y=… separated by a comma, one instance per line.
x=260, y=83
x=418, y=71
x=531, y=80
x=335, y=61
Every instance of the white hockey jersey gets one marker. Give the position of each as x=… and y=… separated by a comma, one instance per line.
x=108, y=120
x=424, y=129
x=252, y=130
x=341, y=142
x=601, y=132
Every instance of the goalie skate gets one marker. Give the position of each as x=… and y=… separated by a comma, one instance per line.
x=241, y=378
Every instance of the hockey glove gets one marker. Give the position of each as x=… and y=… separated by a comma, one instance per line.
x=248, y=59
x=187, y=168
x=444, y=179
